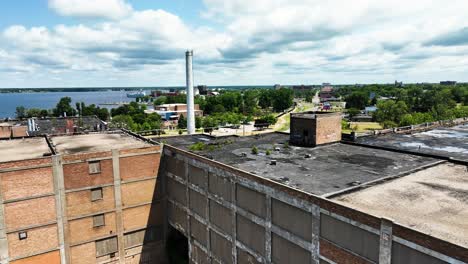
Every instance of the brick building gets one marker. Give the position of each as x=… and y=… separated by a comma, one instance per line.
x=315, y=128
x=80, y=199
x=118, y=198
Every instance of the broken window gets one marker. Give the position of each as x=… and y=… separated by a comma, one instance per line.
x=94, y=167
x=98, y=220
x=96, y=194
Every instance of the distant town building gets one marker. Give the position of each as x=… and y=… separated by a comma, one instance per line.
x=398, y=84
x=302, y=87
x=173, y=111
x=170, y=92
x=277, y=86
x=326, y=94
x=448, y=83
x=202, y=89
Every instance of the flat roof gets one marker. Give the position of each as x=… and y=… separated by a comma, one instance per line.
x=434, y=201
x=445, y=141
x=330, y=168
x=20, y=149
x=95, y=142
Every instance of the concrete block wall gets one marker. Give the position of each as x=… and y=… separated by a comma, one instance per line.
x=231, y=216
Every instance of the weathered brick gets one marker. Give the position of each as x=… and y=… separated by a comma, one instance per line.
x=39, y=240
x=142, y=216
x=30, y=212
x=79, y=203
x=82, y=229
x=141, y=166
x=77, y=175
x=27, y=183
x=47, y=258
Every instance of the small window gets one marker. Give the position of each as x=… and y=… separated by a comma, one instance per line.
x=98, y=220
x=22, y=235
x=96, y=194
x=94, y=167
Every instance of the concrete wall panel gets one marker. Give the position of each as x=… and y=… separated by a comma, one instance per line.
x=283, y=251
x=198, y=177
x=176, y=191
x=251, y=234
x=141, y=166
x=198, y=203
x=251, y=200
x=39, y=240
x=220, y=186
x=26, y=183
x=244, y=257
x=220, y=216
x=30, y=212
x=357, y=240
x=221, y=247
x=282, y=213
x=199, y=255
x=79, y=203
x=198, y=231
x=176, y=167
x=404, y=255
x=177, y=216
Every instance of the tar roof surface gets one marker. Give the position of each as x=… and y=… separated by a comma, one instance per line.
x=434, y=201
x=20, y=149
x=330, y=168
x=95, y=143
x=449, y=142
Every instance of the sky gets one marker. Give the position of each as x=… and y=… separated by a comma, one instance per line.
x=114, y=43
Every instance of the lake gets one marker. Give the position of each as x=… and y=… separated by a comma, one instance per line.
x=48, y=100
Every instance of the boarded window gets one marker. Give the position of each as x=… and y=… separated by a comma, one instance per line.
x=94, y=167
x=98, y=220
x=106, y=246
x=96, y=194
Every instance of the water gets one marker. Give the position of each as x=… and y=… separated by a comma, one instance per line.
x=48, y=100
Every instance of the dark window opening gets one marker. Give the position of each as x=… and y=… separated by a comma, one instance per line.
x=177, y=247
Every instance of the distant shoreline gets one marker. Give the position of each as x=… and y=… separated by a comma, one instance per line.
x=100, y=89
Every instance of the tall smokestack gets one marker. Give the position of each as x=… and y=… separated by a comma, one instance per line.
x=190, y=99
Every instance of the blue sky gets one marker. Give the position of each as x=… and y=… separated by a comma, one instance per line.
x=79, y=43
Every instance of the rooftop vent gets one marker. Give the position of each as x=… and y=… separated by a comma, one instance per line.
x=244, y=154
x=273, y=162
x=277, y=149
x=308, y=156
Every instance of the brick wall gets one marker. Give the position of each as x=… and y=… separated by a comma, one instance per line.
x=138, y=192
x=83, y=254
x=142, y=166
x=47, y=258
x=26, y=183
x=39, y=239
x=77, y=175
x=30, y=212
x=79, y=203
x=141, y=216
x=328, y=129
x=82, y=229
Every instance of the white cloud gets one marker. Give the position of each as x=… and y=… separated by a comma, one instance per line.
x=251, y=42
x=112, y=9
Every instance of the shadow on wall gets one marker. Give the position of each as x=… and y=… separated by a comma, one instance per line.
x=177, y=247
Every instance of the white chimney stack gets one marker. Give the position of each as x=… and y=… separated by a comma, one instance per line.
x=190, y=98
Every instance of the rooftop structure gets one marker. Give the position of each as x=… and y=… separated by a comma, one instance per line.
x=95, y=142
x=315, y=128
x=320, y=170
x=433, y=201
x=444, y=141
x=21, y=149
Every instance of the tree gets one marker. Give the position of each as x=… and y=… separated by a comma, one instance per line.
x=20, y=112
x=182, y=123
x=390, y=111
x=352, y=112
x=357, y=100
x=64, y=107
x=282, y=99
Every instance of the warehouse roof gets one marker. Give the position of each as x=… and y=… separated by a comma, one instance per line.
x=95, y=142
x=20, y=149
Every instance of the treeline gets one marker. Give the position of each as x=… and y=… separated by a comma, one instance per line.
x=248, y=102
x=410, y=104
x=63, y=108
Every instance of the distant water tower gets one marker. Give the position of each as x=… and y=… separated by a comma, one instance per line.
x=190, y=96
